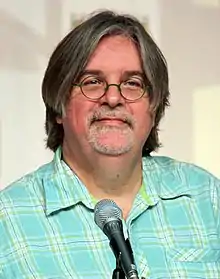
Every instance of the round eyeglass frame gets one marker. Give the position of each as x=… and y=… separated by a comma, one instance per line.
x=118, y=85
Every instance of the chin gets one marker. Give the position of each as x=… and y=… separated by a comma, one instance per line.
x=113, y=144
x=112, y=150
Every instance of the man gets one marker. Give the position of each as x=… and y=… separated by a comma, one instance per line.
x=105, y=91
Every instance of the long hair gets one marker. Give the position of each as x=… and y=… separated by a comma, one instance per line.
x=71, y=56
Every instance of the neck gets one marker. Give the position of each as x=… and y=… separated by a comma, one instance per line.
x=113, y=177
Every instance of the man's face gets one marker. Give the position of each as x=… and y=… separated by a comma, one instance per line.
x=110, y=125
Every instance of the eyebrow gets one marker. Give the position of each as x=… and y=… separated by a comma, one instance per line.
x=133, y=73
x=101, y=73
x=92, y=72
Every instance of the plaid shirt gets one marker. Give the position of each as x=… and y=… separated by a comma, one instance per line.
x=47, y=228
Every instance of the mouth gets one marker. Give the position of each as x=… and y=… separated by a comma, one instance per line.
x=112, y=121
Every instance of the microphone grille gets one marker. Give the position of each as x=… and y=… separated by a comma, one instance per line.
x=105, y=211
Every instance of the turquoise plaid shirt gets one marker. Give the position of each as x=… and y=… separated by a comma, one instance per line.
x=47, y=227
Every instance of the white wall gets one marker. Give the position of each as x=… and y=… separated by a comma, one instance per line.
x=187, y=33
x=190, y=39
x=28, y=33
x=206, y=128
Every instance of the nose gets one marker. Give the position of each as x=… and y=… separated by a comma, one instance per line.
x=113, y=96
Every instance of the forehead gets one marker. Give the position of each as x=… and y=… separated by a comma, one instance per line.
x=115, y=53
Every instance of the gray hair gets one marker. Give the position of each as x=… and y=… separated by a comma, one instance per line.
x=72, y=54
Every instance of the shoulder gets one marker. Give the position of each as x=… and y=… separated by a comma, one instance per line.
x=173, y=179
x=25, y=187
x=180, y=176
x=169, y=165
x=21, y=203
x=22, y=198
x=176, y=179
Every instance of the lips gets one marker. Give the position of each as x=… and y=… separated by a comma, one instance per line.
x=112, y=119
x=112, y=122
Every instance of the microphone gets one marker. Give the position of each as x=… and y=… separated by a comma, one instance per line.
x=108, y=217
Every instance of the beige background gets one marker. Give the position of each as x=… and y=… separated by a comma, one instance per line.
x=187, y=31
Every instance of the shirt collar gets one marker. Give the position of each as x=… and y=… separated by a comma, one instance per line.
x=163, y=179
x=63, y=188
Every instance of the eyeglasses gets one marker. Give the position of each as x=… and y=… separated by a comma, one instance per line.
x=94, y=88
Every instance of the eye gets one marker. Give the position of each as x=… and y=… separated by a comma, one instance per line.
x=133, y=83
x=91, y=80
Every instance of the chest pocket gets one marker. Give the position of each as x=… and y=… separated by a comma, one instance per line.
x=193, y=255
x=194, y=263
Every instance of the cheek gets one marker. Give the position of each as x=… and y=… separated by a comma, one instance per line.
x=76, y=117
x=74, y=122
x=144, y=126
x=144, y=118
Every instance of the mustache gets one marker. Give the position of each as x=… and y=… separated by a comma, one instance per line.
x=106, y=113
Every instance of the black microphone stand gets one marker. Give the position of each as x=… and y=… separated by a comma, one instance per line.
x=118, y=272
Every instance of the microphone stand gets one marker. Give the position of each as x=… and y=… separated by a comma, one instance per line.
x=118, y=273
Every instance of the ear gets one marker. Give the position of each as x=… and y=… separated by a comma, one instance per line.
x=59, y=120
